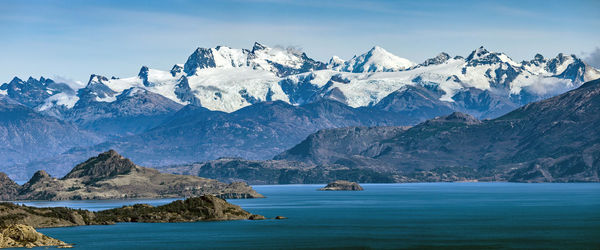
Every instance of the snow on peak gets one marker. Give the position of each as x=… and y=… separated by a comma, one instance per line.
x=335, y=63
x=133, y=91
x=377, y=60
x=97, y=90
x=269, y=59
x=226, y=57
x=257, y=46
x=96, y=79
x=227, y=79
x=280, y=61
x=482, y=56
x=439, y=59
x=176, y=70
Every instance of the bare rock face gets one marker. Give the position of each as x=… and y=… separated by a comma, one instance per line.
x=8, y=188
x=103, y=166
x=19, y=235
x=342, y=186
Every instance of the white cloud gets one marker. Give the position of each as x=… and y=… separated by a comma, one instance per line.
x=74, y=84
x=593, y=58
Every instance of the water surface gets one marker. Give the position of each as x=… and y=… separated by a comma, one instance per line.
x=452, y=215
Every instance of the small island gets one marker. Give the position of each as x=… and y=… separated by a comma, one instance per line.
x=342, y=186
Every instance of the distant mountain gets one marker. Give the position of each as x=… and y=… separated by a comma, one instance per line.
x=277, y=172
x=38, y=93
x=228, y=79
x=217, y=102
x=280, y=61
x=375, y=60
x=26, y=135
x=259, y=131
x=552, y=140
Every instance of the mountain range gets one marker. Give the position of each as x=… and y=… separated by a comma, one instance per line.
x=256, y=103
x=554, y=140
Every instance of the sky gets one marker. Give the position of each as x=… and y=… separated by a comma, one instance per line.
x=69, y=40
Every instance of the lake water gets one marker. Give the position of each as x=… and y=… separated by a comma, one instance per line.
x=426, y=215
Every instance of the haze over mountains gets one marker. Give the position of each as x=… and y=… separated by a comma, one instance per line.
x=256, y=103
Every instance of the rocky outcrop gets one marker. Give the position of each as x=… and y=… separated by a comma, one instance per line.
x=19, y=235
x=112, y=176
x=8, y=188
x=203, y=208
x=342, y=186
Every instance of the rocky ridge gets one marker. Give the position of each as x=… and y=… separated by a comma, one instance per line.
x=202, y=208
x=112, y=176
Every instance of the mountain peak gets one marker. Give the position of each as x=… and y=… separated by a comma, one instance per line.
x=258, y=46
x=439, y=59
x=37, y=177
x=377, y=59
x=177, y=69
x=482, y=56
x=144, y=75
x=335, y=62
x=103, y=166
x=143, y=72
x=477, y=53
x=538, y=57
x=15, y=80
x=378, y=48
x=94, y=79
x=201, y=58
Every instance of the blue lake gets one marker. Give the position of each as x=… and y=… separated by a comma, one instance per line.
x=424, y=215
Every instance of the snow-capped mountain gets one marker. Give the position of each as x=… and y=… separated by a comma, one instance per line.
x=272, y=98
x=281, y=62
x=375, y=60
x=34, y=92
x=227, y=79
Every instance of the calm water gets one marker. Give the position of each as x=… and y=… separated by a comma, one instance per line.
x=451, y=215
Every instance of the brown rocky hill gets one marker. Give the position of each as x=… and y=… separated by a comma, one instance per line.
x=112, y=176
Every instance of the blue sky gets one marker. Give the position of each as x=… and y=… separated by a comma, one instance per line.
x=73, y=39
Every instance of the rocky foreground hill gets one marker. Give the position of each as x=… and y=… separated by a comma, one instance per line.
x=203, y=208
x=554, y=140
x=19, y=235
x=112, y=176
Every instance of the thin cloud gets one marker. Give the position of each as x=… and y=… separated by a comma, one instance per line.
x=593, y=58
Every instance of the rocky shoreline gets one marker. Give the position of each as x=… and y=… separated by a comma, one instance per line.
x=17, y=222
x=203, y=208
